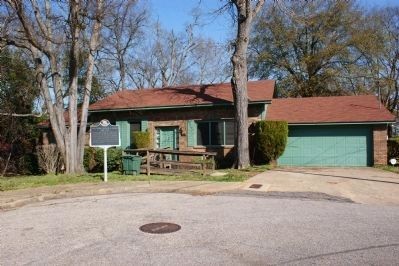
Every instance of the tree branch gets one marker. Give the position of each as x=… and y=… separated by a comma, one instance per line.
x=258, y=7
x=22, y=115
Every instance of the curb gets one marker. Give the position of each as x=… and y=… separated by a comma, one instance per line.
x=192, y=189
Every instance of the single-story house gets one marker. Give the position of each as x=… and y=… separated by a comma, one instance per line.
x=323, y=131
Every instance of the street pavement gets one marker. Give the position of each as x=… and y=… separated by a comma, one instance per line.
x=215, y=230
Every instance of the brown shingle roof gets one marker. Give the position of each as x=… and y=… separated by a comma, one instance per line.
x=183, y=95
x=46, y=123
x=338, y=109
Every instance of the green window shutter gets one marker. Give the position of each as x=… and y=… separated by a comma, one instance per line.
x=264, y=112
x=191, y=133
x=124, y=131
x=144, y=125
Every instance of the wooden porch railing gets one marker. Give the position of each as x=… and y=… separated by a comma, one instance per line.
x=156, y=161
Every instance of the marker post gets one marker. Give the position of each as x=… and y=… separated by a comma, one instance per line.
x=104, y=135
x=105, y=165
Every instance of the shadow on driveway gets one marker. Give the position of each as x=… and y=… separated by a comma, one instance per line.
x=340, y=252
x=339, y=176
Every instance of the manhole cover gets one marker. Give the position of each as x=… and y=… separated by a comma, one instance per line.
x=255, y=186
x=160, y=228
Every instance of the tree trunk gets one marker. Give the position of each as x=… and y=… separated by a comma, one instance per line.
x=94, y=41
x=72, y=141
x=245, y=14
x=8, y=160
x=239, y=86
x=122, y=74
x=241, y=119
x=57, y=124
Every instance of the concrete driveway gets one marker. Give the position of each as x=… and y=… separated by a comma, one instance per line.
x=361, y=185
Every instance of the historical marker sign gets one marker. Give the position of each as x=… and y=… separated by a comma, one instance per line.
x=104, y=135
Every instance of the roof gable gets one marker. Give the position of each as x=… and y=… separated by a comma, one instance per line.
x=339, y=109
x=258, y=91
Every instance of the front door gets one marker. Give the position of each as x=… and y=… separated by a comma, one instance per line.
x=167, y=138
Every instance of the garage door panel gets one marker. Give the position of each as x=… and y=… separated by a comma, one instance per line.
x=328, y=146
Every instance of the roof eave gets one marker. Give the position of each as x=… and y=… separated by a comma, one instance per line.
x=174, y=107
x=339, y=123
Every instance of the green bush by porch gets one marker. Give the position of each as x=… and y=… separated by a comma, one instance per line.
x=141, y=140
x=270, y=139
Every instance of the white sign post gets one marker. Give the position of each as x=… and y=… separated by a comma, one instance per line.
x=105, y=164
x=104, y=135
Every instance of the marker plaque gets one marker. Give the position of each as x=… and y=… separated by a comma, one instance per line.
x=104, y=135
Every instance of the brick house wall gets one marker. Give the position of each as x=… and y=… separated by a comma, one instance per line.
x=178, y=118
x=380, y=147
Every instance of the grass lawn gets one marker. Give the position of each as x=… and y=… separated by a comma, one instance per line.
x=389, y=168
x=19, y=182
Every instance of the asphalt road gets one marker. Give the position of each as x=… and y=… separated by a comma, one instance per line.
x=215, y=230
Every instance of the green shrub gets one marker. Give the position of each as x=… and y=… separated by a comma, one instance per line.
x=393, y=148
x=89, y=159
x=93, y=159
x=270, y=139
x=141, y=140
x=28, y=164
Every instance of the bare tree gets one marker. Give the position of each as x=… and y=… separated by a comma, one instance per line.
x=143, y=67
x=171, y=52
x=384, y=59
x=121, y=32
x=246, y=11
x=168, y=58
x=164, y=59
x=211, y=62
x=47, y=29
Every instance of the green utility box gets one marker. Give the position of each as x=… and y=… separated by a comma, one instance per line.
x=131, y=164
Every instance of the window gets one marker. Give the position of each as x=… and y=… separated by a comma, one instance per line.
x=203, y=133
x=229, y=132
x=134, y=126
x=215, y=133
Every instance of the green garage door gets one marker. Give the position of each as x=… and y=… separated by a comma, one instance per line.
x=328, y=146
